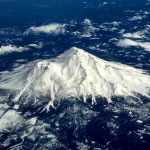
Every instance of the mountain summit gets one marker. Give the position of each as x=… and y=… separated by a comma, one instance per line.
x=75, y=73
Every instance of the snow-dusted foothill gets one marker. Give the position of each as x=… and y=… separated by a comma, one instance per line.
x=5, y=49
x=54, y=28
x=129, y=43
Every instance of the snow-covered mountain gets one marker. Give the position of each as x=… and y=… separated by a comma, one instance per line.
x=75, y=73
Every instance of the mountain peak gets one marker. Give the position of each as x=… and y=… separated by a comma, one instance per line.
x=75, y=73
x=73, y=51
x=76, y=50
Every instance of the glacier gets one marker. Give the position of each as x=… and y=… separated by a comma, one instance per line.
x=74, y=74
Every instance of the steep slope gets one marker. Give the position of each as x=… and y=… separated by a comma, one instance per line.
x=75, y=73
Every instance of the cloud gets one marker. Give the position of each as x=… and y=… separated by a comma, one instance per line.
x=54, y=28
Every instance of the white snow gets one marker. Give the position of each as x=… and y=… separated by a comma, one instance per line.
x=128, y=43
x=11, y=48
x=32, y=121
x=136, y=35
x=88, y=30
x=145, y=45
x=110, y=26
x=54, y=28
x=137, y=18
x=75, y=73
x=87, y=22
x=9, y=120
x=16, y=106
x=3, y=108
x=38, y=46
x=139, y=121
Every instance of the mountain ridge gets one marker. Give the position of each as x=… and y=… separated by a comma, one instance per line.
x=75, y=73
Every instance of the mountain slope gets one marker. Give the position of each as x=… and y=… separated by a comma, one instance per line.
x=75, y=73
